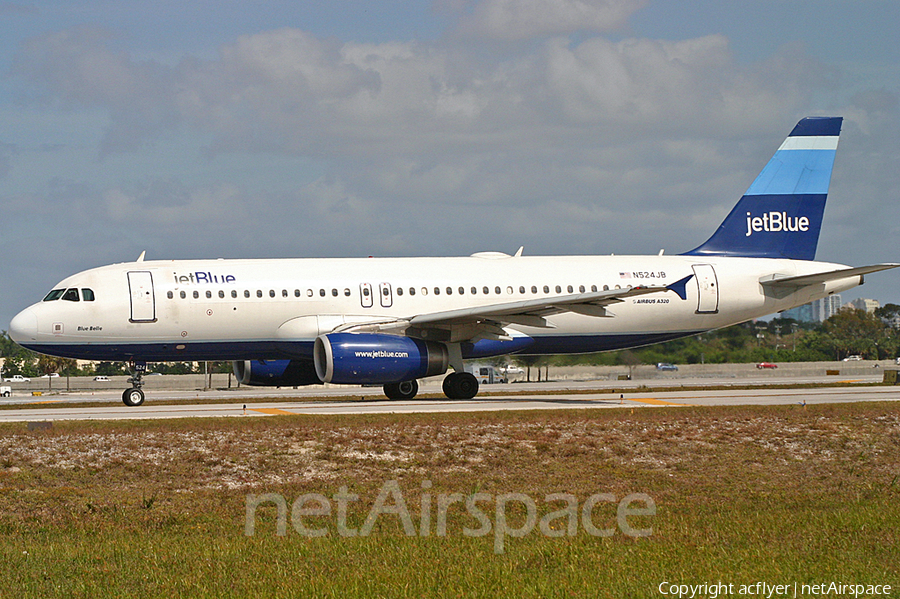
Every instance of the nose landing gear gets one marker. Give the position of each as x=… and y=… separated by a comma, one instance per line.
x=135, y=396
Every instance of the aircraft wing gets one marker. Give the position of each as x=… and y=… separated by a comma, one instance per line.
x=487, y=322
x=777, y=281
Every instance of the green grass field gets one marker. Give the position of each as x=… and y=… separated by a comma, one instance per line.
x=159, y=508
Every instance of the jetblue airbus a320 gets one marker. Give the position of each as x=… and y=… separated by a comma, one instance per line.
x=391, y=321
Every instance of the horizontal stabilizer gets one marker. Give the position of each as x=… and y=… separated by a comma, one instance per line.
x=778, y=281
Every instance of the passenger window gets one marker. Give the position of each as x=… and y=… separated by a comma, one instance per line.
x=209, y=295
x=321, y=293
x=221, y=294
x=234, y=294
x=474, y=290
x=334, y=292
x=497, y=290
x=449, y=290
x=309, y=293
x=347, y=292
x=558, y=289
x=259, y=293
x=71, y=295
x=183, y=295
x=87, y=295
x=593, y=288
x=509, y=290
x=546, y=289
x=284, y=293
x=412, y=290
x=271, y=293
x=437, y=290
x=170, y=295
x=486, y=290
x=569, y=288
x=606, y=288
x=521, y=289
x=399, y=290
x=196, y=295
x=462, y=290
x=581, y=288
x=246, y=293
x=424, y=290
x=54, y=295
x=534, y=289
x=296, y=293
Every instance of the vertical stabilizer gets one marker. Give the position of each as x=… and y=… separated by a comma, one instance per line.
x=781, y=214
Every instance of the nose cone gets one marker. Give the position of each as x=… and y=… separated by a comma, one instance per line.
x=24, y=327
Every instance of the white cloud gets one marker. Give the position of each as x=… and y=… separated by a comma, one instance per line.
x=522, y=19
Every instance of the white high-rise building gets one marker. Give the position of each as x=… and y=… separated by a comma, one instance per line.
x=869, y=305
x=817, y=311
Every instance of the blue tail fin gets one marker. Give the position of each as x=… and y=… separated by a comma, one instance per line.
x=781, y=214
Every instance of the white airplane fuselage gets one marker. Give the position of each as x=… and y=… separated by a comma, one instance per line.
x=273, y=309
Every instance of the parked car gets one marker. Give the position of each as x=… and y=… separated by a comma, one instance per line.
x=762, y=365
x=852, y=359
x=5, y=391
x=512, y=369
x=52, y=375
x=101, y=378
x=666, y=366
x=17, y=378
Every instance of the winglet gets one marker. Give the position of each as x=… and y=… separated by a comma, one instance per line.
x=680, y=286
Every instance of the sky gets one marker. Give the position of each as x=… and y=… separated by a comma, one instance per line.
x=243, y=129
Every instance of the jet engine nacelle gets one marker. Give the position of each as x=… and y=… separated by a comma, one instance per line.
x=366, y=358
x=275, y=373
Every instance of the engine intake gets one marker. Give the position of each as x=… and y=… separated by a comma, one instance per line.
x=366, y=358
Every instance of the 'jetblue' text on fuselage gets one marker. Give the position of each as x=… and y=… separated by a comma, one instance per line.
x=201, y=278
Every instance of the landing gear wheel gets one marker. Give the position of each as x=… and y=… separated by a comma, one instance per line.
x=133, y=397
x=460, y=385
x=402, y=390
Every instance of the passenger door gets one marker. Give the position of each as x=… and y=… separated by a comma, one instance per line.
x=708, y=286
x=143, y=300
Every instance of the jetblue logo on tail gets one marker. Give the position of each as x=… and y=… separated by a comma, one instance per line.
x=775, y=222
x=780, y=215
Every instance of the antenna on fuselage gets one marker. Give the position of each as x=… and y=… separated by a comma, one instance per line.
x=141, y=257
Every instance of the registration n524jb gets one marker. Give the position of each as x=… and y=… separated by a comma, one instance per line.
x=391, y=321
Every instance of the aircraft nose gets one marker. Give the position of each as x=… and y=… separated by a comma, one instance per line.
x=24, y=327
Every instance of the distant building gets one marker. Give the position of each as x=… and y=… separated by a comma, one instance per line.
x=817, y=311
x=869, y=305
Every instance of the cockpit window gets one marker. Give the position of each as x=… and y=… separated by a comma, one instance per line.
x=71, y=295
x=87, y=295
x=54, y=295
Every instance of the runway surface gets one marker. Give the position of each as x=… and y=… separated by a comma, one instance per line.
x=372, y=403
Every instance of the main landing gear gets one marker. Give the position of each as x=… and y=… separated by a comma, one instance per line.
x=403, y=390
x=460, y=385
x=135, y=396
x=457, y=385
